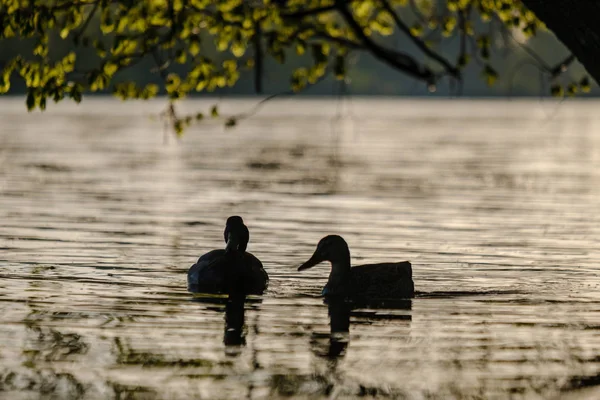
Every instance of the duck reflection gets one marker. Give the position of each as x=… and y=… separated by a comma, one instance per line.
x=234, y=321
x=331, y=348
x=234, y=332
x=340, y=309
x=339, y=318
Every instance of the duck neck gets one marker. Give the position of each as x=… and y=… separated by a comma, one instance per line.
x=340, y=271
x=235, y=245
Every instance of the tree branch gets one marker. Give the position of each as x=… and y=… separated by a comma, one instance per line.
x=452, y=70
x=562, y=66
x=400, y=61
x=415, y=9
x=575, y=23
x=306, y=13
x=86, y=23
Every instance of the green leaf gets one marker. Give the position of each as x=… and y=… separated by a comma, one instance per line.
x=151, y=90
x=238, y=49
x=231, y=122
x=339, y=67
x=172, y=84
x=30, y=101
x=194, y=47
x=572, y=89
x=416, y=30
x=178, y=126
x=490, y=75
x=110, y=68
x=585, y=85
x=557, y=90
x=230, y=65
x=180, y=56
x=214, y=112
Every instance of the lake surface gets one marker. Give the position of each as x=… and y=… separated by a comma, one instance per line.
x=495, y=203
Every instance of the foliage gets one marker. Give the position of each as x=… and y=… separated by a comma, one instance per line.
x=176, y=34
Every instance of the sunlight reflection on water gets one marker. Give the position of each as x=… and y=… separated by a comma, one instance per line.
x=495, y=204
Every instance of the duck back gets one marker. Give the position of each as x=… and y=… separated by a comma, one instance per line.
x=384, y=280
x=220, y=272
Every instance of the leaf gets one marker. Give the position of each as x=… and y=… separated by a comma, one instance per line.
x=110, y=68
x=490, y=75
x=231, y=122
x=238, y=49
x=214, y=112
x=194, y=47
x=584, y=84
x=75, y=92
x=30, y=101
x=150, y=91
x=172, y=84
x=416, y=30
x=178, y=126
x=339, y=67
x=557, y=90
x=230, y=65
x=180, y=56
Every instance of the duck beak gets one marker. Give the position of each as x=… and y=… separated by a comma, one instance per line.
x=314, y=260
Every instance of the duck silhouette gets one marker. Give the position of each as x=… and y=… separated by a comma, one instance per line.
x=231, y=270
x=372, y=281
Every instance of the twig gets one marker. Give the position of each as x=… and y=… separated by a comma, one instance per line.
x=309, y=12
x=562, y=66
x=258, y=105
x=86, y=23
x=258, y=56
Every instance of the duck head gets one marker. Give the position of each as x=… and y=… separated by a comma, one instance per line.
x=332, y=248
x=236, y=234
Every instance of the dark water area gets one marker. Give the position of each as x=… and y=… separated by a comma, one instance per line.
x=495, y=203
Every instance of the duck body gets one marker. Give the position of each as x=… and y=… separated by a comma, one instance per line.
x=221, y=272
x=384, y=280
x=371, y=281
x=231, y=270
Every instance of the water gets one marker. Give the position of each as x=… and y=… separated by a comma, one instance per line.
x=496, y=204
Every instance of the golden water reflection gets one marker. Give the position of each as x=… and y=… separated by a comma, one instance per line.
x=494, y=203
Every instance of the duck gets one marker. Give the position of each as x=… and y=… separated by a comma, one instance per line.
x=371, y=281
x=231, y=270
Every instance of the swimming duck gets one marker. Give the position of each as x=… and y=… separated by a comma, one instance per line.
x=229, y=270
x=383, y=281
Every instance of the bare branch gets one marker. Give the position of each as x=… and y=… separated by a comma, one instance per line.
x=258, y=105
x=351, y=44
x=86, y=23
x=562, y=66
